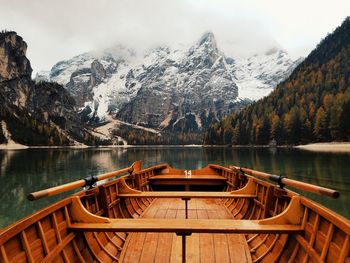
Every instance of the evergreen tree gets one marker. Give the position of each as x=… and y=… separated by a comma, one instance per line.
x=313, y=104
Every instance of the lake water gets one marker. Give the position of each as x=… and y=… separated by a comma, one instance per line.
x=24, y=171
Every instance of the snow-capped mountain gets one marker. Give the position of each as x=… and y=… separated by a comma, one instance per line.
x=183, y=90
x=258, y=75
x=175, y=89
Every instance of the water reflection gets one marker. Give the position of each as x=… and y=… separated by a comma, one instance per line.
x=25, y=171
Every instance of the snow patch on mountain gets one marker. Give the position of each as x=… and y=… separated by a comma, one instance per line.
x=169, y=83
x=258, y=75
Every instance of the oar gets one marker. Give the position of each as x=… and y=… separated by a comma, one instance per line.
x=79, y=183
x=289, y=182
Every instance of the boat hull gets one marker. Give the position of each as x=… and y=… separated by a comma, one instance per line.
x=249, y=220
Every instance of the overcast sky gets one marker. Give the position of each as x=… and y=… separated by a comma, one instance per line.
x=56, y=30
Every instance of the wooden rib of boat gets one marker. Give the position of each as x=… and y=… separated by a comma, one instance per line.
x=162, y=214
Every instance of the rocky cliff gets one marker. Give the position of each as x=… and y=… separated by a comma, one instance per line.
x=13, y=62
x=33, y=114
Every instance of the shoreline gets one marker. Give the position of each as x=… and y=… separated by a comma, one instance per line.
x=315, y=147
x=326, y=147
x=24, y=147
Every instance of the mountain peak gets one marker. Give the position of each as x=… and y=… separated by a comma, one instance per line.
x=271, y=51
x=207, y=37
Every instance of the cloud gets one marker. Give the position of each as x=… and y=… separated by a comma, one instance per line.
x=56, y=30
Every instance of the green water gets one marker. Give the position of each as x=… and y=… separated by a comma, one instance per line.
x=24, y=171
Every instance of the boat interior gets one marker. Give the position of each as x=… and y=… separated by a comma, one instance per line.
x=162, y=214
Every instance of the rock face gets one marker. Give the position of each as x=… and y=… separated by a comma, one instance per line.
x=98, y=73
x=82, y=73
x=33, y=114
x=57, y=105
x=183, y=92
x=169, y=89
x=13, y=62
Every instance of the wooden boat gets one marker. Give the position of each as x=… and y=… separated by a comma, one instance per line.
x=162, y=214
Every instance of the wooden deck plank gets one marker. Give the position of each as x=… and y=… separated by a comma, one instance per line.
x=134, y=247
x=235, y=245
x=192, y=214
x=211, y=240
x=206, y=248
x=206, y=241
x=202, y=214
x=149, y=248
x=220, y=243
x=176, y=248
x=192, y=242
x=151, y=210
x=171, y=213
x=192, y=248
x=221, y=248
x=174, y=203
x=164, y=246
x=165, y=241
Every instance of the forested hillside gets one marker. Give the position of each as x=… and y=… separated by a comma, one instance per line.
x=312, y=105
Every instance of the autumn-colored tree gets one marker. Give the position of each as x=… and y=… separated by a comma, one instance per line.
x=313, y=104
x=236, y=134
x=276, y=132
x=320, y=129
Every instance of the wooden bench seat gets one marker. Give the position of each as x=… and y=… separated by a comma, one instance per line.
x=187, y=181
x=186, y=226
x=188, y=177
x=214, y=235
x=144, y=247
x=164, y=194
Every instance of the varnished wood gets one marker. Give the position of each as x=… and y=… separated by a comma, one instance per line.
x=186, y=226
x=59, y=248
x=187, y=181
x=15, y=229
x=123, y=220
x=43, y=238
x=3, y=255
x=192, y=177
x=79, y=183
x=163, y=194
x=169, y=245
x=289, y=182
x=27, y=247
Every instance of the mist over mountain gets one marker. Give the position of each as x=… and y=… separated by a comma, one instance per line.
x=178, y=90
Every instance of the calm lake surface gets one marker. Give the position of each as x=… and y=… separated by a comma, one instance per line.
x=24, y=171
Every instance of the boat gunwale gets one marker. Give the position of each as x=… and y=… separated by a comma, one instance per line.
x=155, y=167
x=108, y=182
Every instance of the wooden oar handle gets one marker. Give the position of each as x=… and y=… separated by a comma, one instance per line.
x=289, y=182
x=311, y=188
x=56, y=190
x=81, y=183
